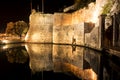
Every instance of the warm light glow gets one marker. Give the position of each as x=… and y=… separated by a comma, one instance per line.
x=97, y=10
x=26, y=47
x=5, y=47
x=95, y=16
x=5, y=41
x=26, y=37
x=96, y=13
x=35, y=36
x=90, y=13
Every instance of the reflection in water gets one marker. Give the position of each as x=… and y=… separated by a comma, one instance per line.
x=111, y=67
x=18, y=55
x=15, y=53
x=59, y=58
x=40, y=57
x=73, y=61
x=14, y=61
x=93, y=57
x=65, y=54
x=48, y=61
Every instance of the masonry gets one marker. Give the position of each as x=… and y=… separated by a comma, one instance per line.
x=61, y=28
x=66, y=28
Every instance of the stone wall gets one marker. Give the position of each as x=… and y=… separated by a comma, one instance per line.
x=83, y=15
x=92, y=38
x=41, y=28
x=68, y=29
x=62, y=28
x=66, y=33
x=57, y=28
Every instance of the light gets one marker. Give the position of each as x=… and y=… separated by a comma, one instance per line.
x=5, y=41
x=26, y=37
x=96, y=13
x=98, y=8
x=95, y=16
x=5, y=47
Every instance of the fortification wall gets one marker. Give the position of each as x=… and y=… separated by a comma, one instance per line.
x=59, y=28
x=41, y=28
x=64, y=32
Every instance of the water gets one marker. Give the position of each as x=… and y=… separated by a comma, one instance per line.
x=56, y=62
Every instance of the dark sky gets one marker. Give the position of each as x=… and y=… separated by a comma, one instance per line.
x=15, y=10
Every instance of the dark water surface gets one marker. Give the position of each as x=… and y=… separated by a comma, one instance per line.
x=56, y=62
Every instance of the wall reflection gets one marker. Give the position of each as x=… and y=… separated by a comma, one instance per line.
x=68, y=54
x=40, y=57
x=62, y=58
x=82, y=62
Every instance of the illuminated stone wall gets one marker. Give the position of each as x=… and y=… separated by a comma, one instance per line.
x=61, y=28
x=41, y=28
x=92, y=38
x=64, y=32
x=71, y=28
x=66, y=28
x=57, y=28
x=83, y=15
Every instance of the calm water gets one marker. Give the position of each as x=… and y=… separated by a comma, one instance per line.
x=56, y=62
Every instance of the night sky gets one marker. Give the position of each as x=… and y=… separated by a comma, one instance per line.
x=15, y=10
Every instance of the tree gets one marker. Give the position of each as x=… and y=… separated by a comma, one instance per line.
x=10, y=28
x=18, y=28
x=21, y=28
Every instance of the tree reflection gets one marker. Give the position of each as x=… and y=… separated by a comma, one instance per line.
x=17, y=55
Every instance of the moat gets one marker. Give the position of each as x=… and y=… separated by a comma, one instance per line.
x=56, y=62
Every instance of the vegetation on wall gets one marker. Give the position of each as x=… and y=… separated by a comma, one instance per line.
x=107, y=7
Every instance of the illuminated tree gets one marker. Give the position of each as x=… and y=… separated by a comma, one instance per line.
x=21, y=28
x=18, y=28
x=10, y=28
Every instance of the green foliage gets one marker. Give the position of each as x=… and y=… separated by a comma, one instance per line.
x=107, y=7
